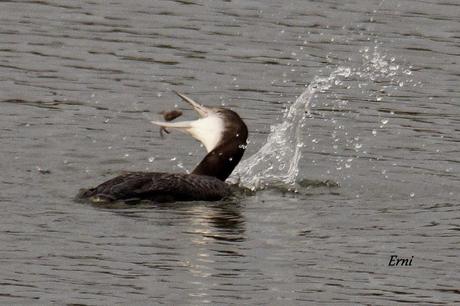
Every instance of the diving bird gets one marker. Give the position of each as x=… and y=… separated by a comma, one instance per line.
x=222, y=132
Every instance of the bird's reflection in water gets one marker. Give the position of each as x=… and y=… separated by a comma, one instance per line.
x=218, y=252
x=220, y=220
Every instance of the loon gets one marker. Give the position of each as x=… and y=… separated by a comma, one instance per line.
x=222, y=132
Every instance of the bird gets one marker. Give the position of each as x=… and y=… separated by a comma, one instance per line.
x=223, y=134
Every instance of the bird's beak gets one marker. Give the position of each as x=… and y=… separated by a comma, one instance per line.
x=181, y=125
x=208, y=129
x=203, y=111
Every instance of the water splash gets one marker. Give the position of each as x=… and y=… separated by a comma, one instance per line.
x=276, y=163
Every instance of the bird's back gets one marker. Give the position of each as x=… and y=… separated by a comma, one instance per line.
x=158, y=187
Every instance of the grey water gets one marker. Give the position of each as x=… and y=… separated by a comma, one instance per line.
x=354, y=156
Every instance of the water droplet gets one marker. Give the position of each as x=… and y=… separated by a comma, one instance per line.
x=358, y=146
x=374, y=132
x=412, y=194
x=173, y=159
x=407, y=72
x=384, y=121
x=151, y=159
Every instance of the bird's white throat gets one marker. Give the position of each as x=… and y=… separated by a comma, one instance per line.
x=208, y=131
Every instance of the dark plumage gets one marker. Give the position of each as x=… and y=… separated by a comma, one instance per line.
x=158, y=187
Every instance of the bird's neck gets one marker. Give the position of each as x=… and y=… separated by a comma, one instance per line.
x=221, y=161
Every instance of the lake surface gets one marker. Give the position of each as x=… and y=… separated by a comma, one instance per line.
x=378, y=175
